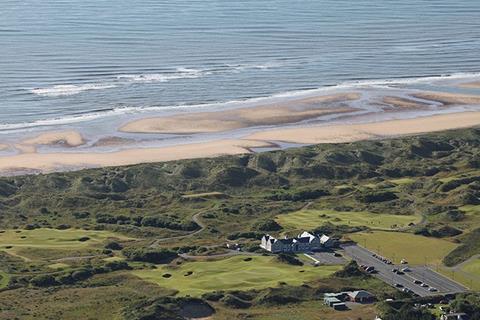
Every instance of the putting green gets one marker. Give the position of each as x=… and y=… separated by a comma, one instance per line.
x=235, y=273
x=310, y=219
x=417, y=250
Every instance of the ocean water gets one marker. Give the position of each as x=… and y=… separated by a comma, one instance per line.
x=70, y=61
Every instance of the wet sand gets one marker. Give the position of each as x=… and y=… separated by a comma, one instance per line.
x=47, y=162
x=472, y=85
x=449, y=99
x=124, y=150
x=272, y=114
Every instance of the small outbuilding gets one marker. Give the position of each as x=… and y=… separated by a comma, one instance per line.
x=361, y=296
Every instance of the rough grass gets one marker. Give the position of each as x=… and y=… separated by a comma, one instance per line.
x=310, y=219
x=232, y=274
x=303, y=311
x=472, y=218
x=417, y=250
x=20, y=242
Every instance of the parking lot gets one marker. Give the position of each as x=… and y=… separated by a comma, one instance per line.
x=432, y=279
x=326, y=258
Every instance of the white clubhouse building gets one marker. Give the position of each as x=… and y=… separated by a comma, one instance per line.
x=303, y=242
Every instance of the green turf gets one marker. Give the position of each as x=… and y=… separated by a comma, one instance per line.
x=58, y=266
x=417, y=250
x=233, y=274
x=402, y=181
x=4, y=279
x=310, y=219
x=16, y=241
x=472, y=267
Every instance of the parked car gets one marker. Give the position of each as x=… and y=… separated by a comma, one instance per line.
x=432, y=289
x=424, y=285
x=406, y=269
x=398, y=285
x=417, y=281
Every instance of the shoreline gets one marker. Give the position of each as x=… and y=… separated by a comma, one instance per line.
x=35, y=162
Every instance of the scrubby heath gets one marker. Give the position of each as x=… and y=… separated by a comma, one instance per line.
x=125, y=239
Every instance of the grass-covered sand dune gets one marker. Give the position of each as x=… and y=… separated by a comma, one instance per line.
x=310, y=219
x=139, y=219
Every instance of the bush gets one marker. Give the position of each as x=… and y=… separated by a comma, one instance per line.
x=44, y=280
x=150, y=255
x=269, y=225
x=350, y=270
x=289, y=258
x=113, y=246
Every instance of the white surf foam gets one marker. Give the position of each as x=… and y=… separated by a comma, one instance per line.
x=69, y=89
x=348, y=85
x=180, y=73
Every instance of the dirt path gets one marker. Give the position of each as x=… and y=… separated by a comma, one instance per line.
x=196, y=219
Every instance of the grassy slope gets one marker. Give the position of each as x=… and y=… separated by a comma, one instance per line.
x=310, y=219
x=417, y=250
x=233, y=274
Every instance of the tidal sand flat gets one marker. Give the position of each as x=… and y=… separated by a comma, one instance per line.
x=473, y=85
x=272, y=114
x=321, y=118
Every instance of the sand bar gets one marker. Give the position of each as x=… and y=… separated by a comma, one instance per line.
x=47, y=162
x=449, y=98
x=271, y=114
x=376, y=130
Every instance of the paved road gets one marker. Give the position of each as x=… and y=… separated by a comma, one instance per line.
x=424, y=274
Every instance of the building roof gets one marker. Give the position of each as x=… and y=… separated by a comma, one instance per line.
x=331, y=300
x=324, y=238
x=360, y=294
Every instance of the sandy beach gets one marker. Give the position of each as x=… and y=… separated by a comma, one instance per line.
x=272, y=114
x=376, y=130
x=46, y=162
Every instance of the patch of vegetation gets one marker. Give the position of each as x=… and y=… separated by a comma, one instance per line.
x=310, y=219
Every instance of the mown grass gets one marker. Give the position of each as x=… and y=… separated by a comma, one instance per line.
x=4, y=279
x=472, y=267
x=417, y=250
x=235, y=273
x=310, y=219
x=20, y=242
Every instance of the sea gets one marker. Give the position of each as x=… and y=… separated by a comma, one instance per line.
x=87, y=63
